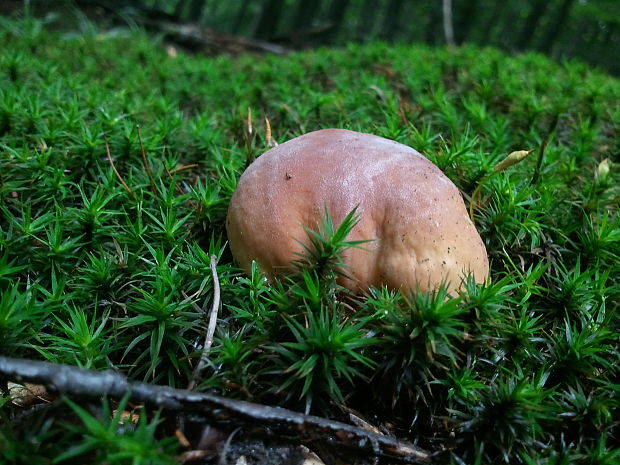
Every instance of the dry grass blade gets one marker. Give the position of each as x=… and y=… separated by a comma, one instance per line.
x=270, y=140
x=183, y=168
x=120, y=178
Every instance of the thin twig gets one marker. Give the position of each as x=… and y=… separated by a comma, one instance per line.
x=203, y=39
x=183, y=168
x=144, y=162
x=107, y=148
x=211, y=329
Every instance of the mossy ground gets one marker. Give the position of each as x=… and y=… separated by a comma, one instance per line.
x=524, y=369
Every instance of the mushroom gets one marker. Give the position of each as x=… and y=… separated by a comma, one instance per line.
x=413, y=215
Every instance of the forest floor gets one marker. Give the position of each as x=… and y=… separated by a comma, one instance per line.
x=105, y=256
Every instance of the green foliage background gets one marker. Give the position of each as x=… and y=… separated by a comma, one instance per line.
x=523, y=369
x=584, y=29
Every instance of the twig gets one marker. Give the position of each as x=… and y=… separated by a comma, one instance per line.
x=220, y=411
x=207, y=40
x=144, y=162
x=211, y=329
x=107, y=148
x=183, y=168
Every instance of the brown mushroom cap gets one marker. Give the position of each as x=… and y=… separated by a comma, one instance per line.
x=413, y=214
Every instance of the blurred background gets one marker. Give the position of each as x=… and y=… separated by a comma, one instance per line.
x=588, y=30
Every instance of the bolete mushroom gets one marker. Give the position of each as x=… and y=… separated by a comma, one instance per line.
x=414, y=216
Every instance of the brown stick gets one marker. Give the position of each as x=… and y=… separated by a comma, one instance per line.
x=207, y=40
x=107, y=148
x=220, y=411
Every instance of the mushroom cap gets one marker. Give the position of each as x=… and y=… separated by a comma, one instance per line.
x=414, y=216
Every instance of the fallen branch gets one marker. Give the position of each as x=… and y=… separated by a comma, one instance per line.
x=198, y=38
x=220, y=411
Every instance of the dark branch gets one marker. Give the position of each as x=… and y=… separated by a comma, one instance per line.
x=70, y=380
x=197, y=38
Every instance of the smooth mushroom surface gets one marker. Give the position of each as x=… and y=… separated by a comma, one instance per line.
x=413, y=214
